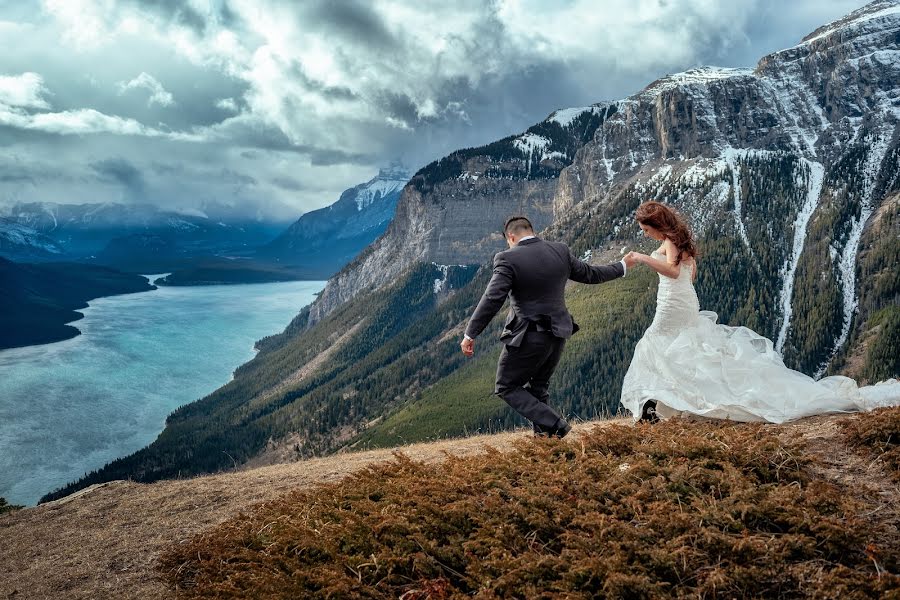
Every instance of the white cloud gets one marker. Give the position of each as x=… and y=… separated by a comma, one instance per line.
x=158, y=94
x=90, y=23
x=25, y=90
x=86, y=121
x=227, y=104
x=629, y=34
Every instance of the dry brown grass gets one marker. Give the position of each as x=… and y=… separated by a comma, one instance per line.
x=878, y=433
x=105, y=543
x=709, y=510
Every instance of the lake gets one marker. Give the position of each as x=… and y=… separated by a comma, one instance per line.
x=70, y=407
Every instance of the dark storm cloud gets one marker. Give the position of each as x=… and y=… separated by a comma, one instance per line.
x=319, y=157
x=351, y=19
x=271, y=139
x=326, y=91
x=398, y=106
x=119, y=170
x=233, y=177
x=166, y=169
x=16, y=178
x=179, y=12
x=289, y=183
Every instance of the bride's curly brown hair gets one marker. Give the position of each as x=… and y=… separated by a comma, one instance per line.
x=669, y=223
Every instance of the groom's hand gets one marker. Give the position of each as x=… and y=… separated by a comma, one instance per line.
x=468, y=346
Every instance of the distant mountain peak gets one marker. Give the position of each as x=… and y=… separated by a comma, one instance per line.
x=395, y=172
x=389, y=180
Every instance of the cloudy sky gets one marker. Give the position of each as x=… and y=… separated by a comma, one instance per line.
x=273, y=107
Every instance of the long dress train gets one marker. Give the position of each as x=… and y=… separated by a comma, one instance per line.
x=689, y=363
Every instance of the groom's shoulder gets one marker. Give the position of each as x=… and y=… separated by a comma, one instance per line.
x=501, y=256
x=559, y=247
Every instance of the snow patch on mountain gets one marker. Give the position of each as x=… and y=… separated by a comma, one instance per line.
x=878, y=148
x=440, y=281
x=529, y=143
x=191, y=212
x=699, y=75
x=812, y=176
x=23, y=239
x=375, y=190
x=388, y=181
x=565, y=116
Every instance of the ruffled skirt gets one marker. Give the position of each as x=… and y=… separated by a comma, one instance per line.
x=723, y=372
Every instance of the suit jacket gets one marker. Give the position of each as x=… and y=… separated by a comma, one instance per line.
x=533, y=273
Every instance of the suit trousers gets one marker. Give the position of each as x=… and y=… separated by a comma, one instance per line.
x=523, y=377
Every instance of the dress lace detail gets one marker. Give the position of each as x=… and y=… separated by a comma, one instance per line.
x=689, y=363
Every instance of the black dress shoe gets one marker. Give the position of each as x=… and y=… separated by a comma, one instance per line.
x=648, y=413
x=559, y=430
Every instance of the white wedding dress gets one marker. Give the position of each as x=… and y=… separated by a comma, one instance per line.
x=689, y=364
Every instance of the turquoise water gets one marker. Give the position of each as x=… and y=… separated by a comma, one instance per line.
x=70, y=407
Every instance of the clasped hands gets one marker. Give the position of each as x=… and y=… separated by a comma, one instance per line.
x=633, y=258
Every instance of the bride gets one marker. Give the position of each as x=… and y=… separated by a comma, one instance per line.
x=686, y=363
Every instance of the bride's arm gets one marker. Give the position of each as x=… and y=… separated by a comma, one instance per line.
x=666, y=267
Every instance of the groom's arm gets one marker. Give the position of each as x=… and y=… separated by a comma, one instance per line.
x=582, y=272
x=493, y=298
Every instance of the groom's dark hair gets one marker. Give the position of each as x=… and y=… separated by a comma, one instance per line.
x=517, y=225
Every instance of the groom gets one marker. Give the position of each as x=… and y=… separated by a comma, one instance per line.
x=533, y=273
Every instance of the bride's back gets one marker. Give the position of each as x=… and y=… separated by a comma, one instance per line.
x=676, y=300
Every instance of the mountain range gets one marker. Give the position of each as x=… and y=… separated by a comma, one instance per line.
x=117, y=234
x=143, y=238
x=789, y=174
x=25, y=243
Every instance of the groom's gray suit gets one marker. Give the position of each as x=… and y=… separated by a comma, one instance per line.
x=533, y=273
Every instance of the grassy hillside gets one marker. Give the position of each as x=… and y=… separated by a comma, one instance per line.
x=386, y=367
